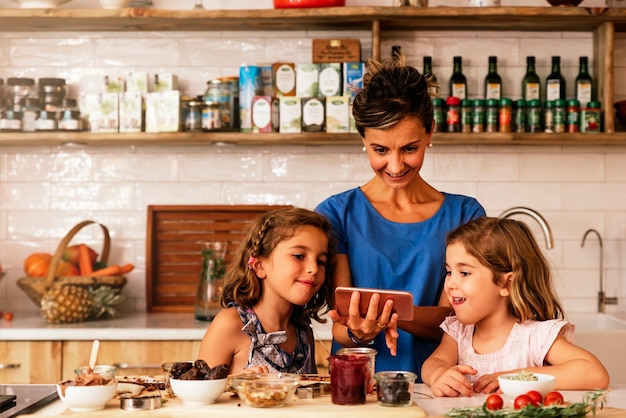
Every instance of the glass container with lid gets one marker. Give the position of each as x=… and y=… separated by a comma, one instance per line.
x=51, y=93
x=18, y=89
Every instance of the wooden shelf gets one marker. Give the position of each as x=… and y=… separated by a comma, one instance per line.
x=336, y=18
x=84, y=139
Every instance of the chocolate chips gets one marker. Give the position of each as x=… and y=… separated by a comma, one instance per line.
x=198, y=370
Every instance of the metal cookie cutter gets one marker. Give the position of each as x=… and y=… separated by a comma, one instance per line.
x=314, y=390
x=140, y=403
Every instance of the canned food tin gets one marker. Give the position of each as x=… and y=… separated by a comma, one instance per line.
x=211, y=118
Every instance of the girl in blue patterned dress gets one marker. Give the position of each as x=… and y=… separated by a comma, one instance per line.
x=279, y=280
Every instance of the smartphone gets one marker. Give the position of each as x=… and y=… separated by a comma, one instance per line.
x=402, y=301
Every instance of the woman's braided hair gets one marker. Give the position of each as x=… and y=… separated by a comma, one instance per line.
x=243, y=287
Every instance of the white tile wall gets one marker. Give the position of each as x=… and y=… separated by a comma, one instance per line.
x=44, y=191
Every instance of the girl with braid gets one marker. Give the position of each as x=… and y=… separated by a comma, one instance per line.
x=280, y=279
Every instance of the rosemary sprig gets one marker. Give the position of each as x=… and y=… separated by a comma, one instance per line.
x=590, y=402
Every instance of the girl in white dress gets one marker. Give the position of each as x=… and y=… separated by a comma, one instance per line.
x=507, y=318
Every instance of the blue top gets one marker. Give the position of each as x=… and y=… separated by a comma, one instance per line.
x=397, y=256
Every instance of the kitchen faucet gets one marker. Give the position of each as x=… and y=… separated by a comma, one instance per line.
x=602, y=299
x=536, y=216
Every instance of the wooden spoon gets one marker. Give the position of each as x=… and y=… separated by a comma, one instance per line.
x=94, y=355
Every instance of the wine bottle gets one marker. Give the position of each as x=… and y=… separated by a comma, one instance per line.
x=458, y=82
x=584, y=83
x=531, y=84
x=493, y=81
x=555, y=83
x=428, y=72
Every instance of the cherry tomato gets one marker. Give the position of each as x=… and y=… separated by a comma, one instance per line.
x=553, y=398
x=8, y=316
x=521, y=401
x=494, y=402
x=535, y=397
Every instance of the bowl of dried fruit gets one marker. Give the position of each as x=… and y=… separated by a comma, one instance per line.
x=265, y=390
x=195, y=383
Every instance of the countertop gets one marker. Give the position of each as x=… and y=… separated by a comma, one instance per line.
x=138, y=326
x=425, y=405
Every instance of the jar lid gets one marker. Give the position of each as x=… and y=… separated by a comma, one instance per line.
x=51, y=81
x=479, y=102
x=534, y=103
x=506, y=101
x=466, y=102
x=20, y=81
x=559, y=103
x=492, y=102
x=549, y=103
x=573, y=102
x=594, y=104
x=451, y=101
x=438, y=101
x=520, y=103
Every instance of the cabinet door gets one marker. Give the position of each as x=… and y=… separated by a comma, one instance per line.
x=30, y=362
x=132, y=358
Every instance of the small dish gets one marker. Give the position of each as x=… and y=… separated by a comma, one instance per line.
x=515, y=384
x=198, y=392
x=114, y=4
x=40, y=4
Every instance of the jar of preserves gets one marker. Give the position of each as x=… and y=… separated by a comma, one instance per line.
x=453, y=114
x=18, y=89
x=10, y=121
x=193, y=117
x=69, y=116
x=466, y=115
x=47, y=121
x=572, y=118
x=492, y=114
x=519, y=115
x=439, y=114
x=505, y=115
x=211, y=120
x=478, y=116
x=534, y=115
x=51, y=93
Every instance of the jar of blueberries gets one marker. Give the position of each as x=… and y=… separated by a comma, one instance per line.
x=395, y=388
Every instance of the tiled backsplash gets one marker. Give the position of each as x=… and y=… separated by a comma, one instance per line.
x=44, y=191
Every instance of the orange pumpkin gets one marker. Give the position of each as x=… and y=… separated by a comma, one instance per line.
x=37, y=264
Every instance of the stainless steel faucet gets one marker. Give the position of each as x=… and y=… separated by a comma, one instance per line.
x=603, y=300
x=547, y=232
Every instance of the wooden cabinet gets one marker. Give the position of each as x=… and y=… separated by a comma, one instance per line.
x=601, y=22
x=30, y=361
x=132, y=358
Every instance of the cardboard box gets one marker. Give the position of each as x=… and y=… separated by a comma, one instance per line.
x=131, y=112
x=336, y=50
x=313, y=114
x=307, y=79
x=262, y=114
x=290, y=114
x=330, y=80
x=338, y=114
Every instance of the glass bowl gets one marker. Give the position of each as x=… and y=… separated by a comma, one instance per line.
x=265, y=390
x=395, y=388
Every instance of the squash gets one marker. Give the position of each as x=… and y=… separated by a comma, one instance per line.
x=37, y=264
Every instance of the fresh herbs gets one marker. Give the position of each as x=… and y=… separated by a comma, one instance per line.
x=591, y=401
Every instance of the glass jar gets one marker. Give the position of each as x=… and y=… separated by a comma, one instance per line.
x=370, y=353
x=505, y=115
x=572, y=119
x=466, y=115
x=519, y=116
x=548, y=117
x=439, y=114
x=18, y=89
x=51, y=93
x=11, y=121
x=395, y=388
x=193, y=117
x=218, y=92
x=348, y=379
x=46, y=121
x=30, y=113
x=492, y=114
x=211, y=117
x=453, y=114
x=591, y=118
x=207, y=303
x=534, y=115
x=3, y=102
x=69, y=116
x=559, y=116
x=478, y=116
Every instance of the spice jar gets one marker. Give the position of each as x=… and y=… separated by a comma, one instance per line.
x=519, y=115
x=69, y=116
x=478, y=116
x=466, y=115
x=591, y=118
x=573, y=115
x=51, y=93
x=548, y=117
x=534, y=115
x=559, y=116
x=492, y=114
x=505, y=115
x=438, y=114
x=193, y=117
x=11, y=120
x=453, y=114
x=46, y=121
x=18, y=89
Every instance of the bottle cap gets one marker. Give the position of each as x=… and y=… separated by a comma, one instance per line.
x=451, y=101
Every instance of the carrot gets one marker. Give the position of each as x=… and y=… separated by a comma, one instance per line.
x=84, y=261
x=112, y=270
x=126, y=268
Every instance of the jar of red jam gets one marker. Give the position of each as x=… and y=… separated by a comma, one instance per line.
x=348, y=379
x=370, y=353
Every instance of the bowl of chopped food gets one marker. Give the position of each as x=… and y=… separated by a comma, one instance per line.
x=515, y=384
x=91, y=390
x=265, y=390
x=195, y=383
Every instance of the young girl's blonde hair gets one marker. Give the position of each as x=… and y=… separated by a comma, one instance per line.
x=243, y=287
x=509, y=246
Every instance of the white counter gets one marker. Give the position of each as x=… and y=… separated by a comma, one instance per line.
x=30, y=326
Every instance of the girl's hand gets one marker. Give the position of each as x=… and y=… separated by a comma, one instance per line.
x=255, y=369
x=487, y=383
x=453, y=382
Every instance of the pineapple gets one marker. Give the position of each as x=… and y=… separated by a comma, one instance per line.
x=67, y=303
x=72, y=303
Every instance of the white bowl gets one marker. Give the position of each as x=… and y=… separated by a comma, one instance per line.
x=198, y=392
x=87, y=398
x=513, y=387
x=114, y=4
x=40, y=4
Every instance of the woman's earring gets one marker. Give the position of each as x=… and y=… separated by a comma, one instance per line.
x=363, y=149
x=430, y=145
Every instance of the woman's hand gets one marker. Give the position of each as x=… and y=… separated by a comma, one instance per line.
x=367, y=328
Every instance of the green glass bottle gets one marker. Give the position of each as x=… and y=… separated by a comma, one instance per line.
x=531, y=83
x=555, y=83
x=584, y=82
x=428, y=72
x=458, y=82
x=493, y=81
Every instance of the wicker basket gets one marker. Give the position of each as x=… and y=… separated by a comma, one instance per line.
x=35, y=287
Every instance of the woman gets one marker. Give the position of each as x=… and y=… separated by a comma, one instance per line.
x=391, y=231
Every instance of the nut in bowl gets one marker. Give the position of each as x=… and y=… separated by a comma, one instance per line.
x=515, y=384
x=198, y=392
x=265, y=390
x=90, y=390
